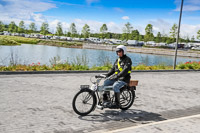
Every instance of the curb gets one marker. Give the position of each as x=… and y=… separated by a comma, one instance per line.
x=64, y=72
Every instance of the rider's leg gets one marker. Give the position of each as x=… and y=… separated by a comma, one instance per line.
x=116, y=86
x=107, y=82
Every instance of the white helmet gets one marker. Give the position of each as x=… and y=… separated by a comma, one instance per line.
x=121, y=47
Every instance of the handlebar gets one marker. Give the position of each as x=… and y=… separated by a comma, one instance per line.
x=100, y=76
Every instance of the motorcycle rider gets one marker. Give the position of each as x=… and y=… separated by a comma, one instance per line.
x=119, y=75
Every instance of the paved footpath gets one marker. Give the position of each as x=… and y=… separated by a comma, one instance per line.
x=41, y=103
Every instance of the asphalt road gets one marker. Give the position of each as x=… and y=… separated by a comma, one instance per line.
x=42, y=103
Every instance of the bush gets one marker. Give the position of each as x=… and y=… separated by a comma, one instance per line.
x=189, y=65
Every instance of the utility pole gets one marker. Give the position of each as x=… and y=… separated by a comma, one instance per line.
x=177, y=39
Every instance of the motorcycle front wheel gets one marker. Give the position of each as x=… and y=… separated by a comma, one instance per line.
x=84, y=102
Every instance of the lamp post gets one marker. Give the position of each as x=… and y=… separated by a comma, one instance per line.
x=177, y=39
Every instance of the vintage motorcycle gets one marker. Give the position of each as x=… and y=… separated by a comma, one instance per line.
x=89, y=97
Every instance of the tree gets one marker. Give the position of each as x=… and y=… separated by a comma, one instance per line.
x=2, y=26
x=108, y=35
x=148, y=33
x=127, y=29
x=68, y=34
x=32, y=27
x=59, y=30
x=192, y=39
x=173, y=32
x=169, y=40
x=187, y=39
x=141, y=38
x=44, y=29
x=158, y=38
x=72, y=30
x=103, y=28
x=21, y=27
x=198, y=35
x=135, y=35
x=86, y=31
x=12, y=27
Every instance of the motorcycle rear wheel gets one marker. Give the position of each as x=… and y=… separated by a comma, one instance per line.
x=127, y=98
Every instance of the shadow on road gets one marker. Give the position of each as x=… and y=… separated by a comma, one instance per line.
x=128, y=115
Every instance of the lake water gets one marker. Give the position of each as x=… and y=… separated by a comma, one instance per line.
x=28, y=54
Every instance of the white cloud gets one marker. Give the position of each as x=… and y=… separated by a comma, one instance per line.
x=125, y=17
x=164, y=27
x=114, y=28
x=17, y=10
x=160, y=25
x=189, y=30
x=96, y=25
x=53, y=25
x=188, y=5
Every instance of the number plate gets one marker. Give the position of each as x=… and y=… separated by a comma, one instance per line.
x=84, y=86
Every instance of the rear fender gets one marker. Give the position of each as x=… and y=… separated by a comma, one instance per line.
x=132, y=88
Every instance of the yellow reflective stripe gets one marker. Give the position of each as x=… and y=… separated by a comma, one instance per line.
x=119, y=67
x=117, y=72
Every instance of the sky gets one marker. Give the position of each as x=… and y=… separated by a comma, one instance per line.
x=162, y=14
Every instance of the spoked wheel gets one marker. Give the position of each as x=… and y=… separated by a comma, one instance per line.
x=126, y=98
x=84, y=102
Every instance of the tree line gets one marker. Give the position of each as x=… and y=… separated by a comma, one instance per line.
x=129, y=33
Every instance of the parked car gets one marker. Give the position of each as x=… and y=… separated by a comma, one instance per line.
x=195, y=48
x=132, y=42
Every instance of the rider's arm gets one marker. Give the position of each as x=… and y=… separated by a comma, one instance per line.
x=112, y=71
x=126, y=69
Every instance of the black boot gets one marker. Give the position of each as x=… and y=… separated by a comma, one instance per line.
x=116, y=105
x=105, y=98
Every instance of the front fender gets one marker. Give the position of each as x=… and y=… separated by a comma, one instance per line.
x=89, y=90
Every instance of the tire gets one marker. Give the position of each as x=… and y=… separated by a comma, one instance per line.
x=84, y=102
x=127, y=98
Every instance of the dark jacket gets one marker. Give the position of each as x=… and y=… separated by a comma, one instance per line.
x=125, y=63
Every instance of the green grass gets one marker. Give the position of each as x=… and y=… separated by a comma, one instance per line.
x=60, y=43
x=4, y=40
x=16, y=40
